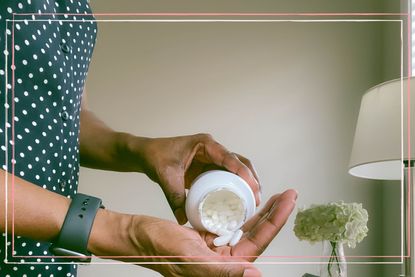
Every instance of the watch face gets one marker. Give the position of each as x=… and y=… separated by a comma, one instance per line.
x=75, y=256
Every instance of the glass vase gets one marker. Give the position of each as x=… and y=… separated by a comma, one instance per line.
x=333, y=260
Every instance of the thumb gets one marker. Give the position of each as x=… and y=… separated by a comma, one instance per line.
x=173, y=188
x=251, y=272
x=239, y=271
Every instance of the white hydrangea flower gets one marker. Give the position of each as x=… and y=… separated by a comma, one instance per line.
x=336, y=222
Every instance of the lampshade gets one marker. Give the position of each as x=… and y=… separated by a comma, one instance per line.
x=381, y=136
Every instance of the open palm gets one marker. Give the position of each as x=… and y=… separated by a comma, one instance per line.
x=177, y=248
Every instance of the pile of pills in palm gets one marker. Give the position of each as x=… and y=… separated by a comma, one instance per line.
x=223, y=213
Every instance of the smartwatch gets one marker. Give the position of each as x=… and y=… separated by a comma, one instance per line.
x=73, y=237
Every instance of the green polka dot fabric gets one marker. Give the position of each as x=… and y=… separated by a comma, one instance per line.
x=51, y=43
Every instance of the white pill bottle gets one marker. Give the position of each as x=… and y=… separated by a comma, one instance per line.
x=219, y=202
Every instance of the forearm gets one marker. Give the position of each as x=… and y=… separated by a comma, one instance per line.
x=38, y=214
x=29, y=209
x=103, y=148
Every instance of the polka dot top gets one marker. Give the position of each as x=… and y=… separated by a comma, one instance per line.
x=46, y=51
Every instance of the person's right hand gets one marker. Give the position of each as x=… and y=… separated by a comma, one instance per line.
x=169, y=248
x=175, y=162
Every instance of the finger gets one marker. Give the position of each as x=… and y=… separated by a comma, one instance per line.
x=238, y=271
x=208, y=238
x=251, y=272
x=234, y=165
x=220, y=156
x=251, y=167
x=234, y=270
x=258, y=238
x=210, y=151
x=220, y=270
x=263, y=212
x=173, y=188
x=253, y=174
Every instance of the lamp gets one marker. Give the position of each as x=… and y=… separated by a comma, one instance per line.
x=381, y=146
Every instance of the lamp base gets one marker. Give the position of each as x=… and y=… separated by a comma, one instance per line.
x=408, y=211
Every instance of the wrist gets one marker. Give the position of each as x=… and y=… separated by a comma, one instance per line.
x=110, y=234
x=130, y=150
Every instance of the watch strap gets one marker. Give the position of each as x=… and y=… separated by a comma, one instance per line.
x=74, y=234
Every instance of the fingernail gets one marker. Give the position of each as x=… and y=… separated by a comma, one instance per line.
x=251, y=272
x=296, y=194
x=180, y=216
x=259, y=194
x=256, y=172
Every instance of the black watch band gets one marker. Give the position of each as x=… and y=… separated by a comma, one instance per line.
x=74, y=235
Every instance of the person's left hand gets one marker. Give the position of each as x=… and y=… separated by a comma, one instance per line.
x=175, y=250
x=175, y=162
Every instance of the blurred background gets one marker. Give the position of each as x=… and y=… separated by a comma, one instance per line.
x=284, y=94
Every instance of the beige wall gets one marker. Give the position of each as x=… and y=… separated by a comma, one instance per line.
x=284, y=94
x=391, y=215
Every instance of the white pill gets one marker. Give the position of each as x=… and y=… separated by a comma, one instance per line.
x=235, y=238
x=222, y=240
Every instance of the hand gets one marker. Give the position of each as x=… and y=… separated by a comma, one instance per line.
x=174, y=244
x=175, y=162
